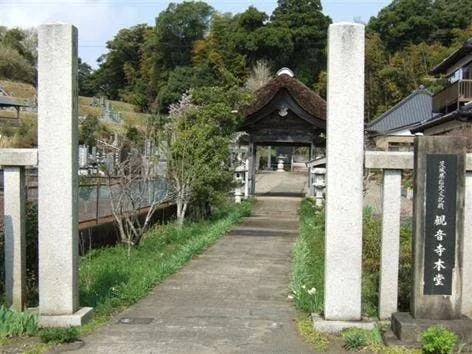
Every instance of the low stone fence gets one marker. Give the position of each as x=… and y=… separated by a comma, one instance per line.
x=392, y=164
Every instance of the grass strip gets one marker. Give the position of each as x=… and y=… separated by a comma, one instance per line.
x=307, y=277
x=116, y=277
x=113, y=278
x=310, y=335
x=371, y=250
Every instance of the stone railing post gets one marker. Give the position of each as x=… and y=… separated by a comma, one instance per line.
x=14, y=162
x=392, y=164
x=389, y=258
x=15, y=242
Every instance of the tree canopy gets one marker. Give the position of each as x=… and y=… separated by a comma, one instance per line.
x=405, y=22
x=193, y=46
x=18, y=54
x=195, y=67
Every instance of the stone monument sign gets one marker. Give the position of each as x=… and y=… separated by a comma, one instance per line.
x=438, y=241
x=438, y=227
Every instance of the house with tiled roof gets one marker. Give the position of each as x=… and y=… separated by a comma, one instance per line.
x=453, y=104
x=391, y=131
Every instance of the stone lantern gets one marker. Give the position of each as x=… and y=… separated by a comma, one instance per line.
x=280, y=163
x=241, y=177
x=319, y=184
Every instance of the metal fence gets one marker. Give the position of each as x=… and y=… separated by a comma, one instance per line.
x=95, y=195
x=95, y=200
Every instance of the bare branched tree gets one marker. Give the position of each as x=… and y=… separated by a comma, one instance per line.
x=259, y=77
x=135, y=194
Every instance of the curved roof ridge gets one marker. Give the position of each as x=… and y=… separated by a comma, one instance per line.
x=306, y=98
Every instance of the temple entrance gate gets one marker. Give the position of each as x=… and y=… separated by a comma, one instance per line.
x=285, y=113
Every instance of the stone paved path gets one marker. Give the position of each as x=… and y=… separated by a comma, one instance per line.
x=231, y=299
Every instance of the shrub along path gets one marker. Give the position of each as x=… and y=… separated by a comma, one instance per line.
x=231, y=299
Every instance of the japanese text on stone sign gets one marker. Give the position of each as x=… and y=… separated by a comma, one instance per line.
x=440, y=220
x=440, y=223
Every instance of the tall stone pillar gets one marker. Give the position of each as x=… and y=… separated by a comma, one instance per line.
x=58, y=176
x=345, y=156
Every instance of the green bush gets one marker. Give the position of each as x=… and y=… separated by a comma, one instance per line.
x=355, y=338
x=437, y=340
x=14, y=323
x=307, y=278
x=59, y=335
x=14, y=66
x=405, y=271
x=371, y=248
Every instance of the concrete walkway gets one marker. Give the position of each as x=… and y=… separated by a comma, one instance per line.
x=281, y=183
x=231, y=299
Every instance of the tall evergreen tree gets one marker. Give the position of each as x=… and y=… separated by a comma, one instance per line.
x=403, y=22
x=449, y=16
x=307, y=27
x=177, y=28
x=119, y=75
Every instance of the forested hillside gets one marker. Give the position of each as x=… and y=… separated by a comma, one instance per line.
x=191, y=45
x=404, y=41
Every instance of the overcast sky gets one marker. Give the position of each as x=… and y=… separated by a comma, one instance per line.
x=99, y=20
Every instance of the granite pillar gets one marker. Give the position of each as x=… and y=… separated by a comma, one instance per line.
x=58, y=176
x=345, y=155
